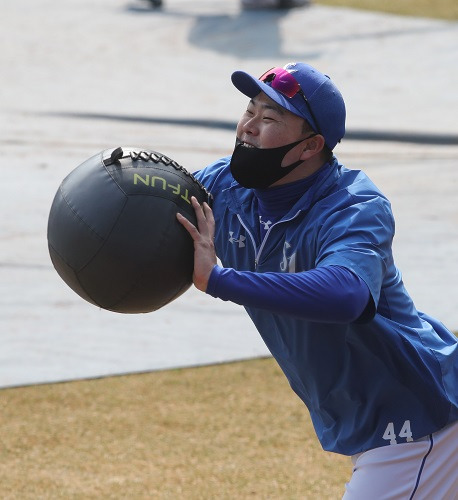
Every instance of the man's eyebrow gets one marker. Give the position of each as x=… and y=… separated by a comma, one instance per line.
x=274, y=107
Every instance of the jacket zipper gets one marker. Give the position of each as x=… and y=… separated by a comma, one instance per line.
x=263, y=243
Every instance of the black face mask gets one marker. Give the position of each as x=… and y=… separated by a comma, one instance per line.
x=261, y=167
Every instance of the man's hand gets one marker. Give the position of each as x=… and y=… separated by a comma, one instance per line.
x=204, y=249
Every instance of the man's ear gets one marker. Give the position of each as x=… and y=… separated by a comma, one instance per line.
x=313, y=147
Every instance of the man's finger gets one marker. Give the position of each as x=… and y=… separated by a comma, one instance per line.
x=210, y=219
x=189, y=226
x=202, y=219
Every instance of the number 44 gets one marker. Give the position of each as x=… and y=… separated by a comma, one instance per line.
x=405, y=432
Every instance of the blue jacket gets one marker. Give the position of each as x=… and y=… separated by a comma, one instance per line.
x=387, y=380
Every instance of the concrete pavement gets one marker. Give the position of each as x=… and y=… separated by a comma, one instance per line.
x=79, y=77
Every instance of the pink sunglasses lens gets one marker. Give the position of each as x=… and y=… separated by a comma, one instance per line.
x=281, y=80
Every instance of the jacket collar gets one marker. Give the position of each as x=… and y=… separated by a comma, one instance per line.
x=242, y=201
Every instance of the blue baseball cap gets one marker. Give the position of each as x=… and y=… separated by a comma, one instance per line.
x=303, y=90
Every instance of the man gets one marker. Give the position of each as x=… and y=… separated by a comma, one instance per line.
x=306, y=248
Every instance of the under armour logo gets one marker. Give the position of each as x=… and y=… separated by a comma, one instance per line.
x=288, y=263
x=240, y=240
x=265, y=224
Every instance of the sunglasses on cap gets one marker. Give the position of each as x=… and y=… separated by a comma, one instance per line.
x=284, y=82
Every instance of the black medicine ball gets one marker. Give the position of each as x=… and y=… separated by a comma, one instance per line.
x=113, y=236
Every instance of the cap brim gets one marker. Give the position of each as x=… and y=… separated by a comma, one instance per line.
x=251, y=87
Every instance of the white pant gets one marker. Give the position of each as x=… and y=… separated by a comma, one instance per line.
x=426, y=469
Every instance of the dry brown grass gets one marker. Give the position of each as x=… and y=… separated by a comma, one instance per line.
x=230, y=431
x=439, y=9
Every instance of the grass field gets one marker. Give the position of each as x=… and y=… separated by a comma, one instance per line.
x=439, y=9
x=231, y=431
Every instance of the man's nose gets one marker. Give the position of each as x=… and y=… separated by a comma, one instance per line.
x=250, y=126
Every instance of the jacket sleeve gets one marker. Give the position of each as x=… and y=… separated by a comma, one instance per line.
x=359, y=237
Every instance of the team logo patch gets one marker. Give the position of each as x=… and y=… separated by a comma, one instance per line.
x=288, y=263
